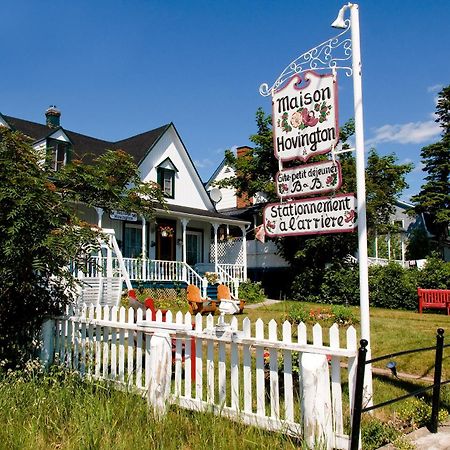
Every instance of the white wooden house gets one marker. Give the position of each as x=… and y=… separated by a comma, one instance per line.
x=179, y=240
x=263, y=262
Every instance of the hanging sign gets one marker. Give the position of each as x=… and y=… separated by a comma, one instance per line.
x=305, y=119
x=122, y=215
x=307, y=179
x=311, y=216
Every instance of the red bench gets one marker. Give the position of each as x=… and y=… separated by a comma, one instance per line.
x=434, y=299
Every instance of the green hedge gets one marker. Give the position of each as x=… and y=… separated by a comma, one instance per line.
x=390, y=286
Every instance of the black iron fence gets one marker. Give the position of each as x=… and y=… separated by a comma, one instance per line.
x=359, y=385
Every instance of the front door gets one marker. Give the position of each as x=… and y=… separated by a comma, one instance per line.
x=194, y=247
x=165, y=240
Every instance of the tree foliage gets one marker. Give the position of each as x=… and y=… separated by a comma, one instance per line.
x=308, y=255
x=40, y=232
x=434, y=196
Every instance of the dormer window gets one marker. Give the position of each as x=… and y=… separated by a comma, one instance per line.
x=58, y=153
x=166, y=177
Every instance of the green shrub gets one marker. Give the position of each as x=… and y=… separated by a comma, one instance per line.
x=343, y=315
x=340, y=285
x=297, y=314
x=435, y=274
x=392, y=287
x=375, y=433
x=417, y=413
x=251, y=291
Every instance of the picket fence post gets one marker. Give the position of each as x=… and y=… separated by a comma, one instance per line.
x=160, y=372
x=47, y=342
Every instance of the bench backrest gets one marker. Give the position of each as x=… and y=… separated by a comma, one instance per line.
x=101, y=291
x=434, y=296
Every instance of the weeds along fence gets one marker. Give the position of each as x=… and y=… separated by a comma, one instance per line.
x=264, y=375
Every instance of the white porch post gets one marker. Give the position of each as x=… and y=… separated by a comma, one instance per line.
x=216, y=227
x=244, y=251
x=402, y=241
x=109, y=265
x=99, y=254
x=389, y=246
x=376, y=246
x=99, y=216
x=184, y=223
x=144, y=249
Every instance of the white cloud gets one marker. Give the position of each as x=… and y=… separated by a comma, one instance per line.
x=203, y=163
x=435, y=88
x=418, y=168
x=407, y=133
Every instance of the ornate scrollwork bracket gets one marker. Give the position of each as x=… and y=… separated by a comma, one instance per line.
x=331, y=54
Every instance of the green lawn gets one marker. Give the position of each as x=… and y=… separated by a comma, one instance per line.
x=62, y=412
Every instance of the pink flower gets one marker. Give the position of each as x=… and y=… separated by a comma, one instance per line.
x=308, y=118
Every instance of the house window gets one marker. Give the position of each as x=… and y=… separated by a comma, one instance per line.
x=166, y=179
x=58, y=153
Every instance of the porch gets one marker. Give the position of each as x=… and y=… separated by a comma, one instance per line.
x=179, y=246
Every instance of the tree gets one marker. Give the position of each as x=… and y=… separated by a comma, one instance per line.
x=308, y=255
x=434, y=197
x=41, y=233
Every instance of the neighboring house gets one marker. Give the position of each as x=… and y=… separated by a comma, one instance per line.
x=263, y=262
x=180, y=239
x=393, y=246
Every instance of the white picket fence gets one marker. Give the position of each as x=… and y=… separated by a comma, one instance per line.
x=238, y=374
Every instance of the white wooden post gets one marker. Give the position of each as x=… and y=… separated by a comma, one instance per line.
x=47, y=342
x=316, y=405
x=144, y=249
x=402, y=240
x=216, y=227
x=184, y=223
x=244, y=251
x=160, y=372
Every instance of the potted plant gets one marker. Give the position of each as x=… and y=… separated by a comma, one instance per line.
x=212, y=277
x=166, y=231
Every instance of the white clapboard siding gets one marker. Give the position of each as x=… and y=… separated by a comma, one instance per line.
x=231, y=373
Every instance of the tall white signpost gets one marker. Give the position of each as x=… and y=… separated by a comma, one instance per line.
x=305, y=124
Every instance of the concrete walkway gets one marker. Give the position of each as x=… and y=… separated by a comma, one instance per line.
x=266, y=302
x=424, y=440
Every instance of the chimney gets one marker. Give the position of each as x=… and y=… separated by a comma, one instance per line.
x=242, y=201
x=52, y=116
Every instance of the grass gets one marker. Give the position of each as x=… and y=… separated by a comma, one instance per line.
x=60, y=411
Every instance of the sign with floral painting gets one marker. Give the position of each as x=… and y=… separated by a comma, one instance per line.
x=318, y=215
x=307, y=179
x=305, y=118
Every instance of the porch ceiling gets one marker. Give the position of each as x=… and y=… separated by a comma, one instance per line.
x=199, y=214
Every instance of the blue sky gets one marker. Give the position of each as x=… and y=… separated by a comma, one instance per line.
x=119, y=68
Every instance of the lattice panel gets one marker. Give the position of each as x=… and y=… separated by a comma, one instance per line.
x=228, y=252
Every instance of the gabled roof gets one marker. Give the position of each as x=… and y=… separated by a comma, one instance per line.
x=137, y=146
x=216, y=172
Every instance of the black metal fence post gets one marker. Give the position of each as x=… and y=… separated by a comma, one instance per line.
x=437, y=380
x=358, y=397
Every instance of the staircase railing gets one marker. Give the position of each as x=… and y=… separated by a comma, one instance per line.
x=226, y=278
x=148, y=270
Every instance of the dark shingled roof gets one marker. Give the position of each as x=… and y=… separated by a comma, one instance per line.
x=137, y=146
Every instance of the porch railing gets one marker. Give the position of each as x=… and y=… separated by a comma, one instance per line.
x=226, y=278
x=145, y=270
x=233, y=271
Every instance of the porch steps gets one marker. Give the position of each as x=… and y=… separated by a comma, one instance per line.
x=211, y=291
